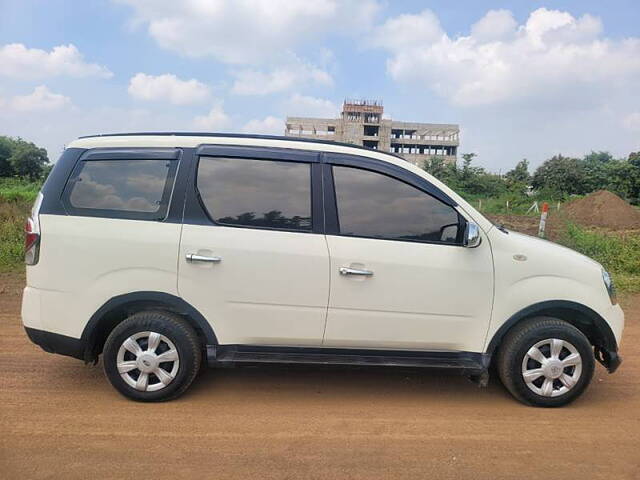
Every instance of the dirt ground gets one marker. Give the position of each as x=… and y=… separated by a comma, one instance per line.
x=529, y=225
x=61, y=419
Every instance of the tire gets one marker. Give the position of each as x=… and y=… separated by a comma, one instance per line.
x=143, y=376
x=562, y=377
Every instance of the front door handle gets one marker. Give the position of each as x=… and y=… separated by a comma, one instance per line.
x=192, y=257
x=355, y=271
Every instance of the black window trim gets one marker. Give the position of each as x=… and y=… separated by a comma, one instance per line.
x=273, y=154
x=137, y=153
x=332, y=222
x=391, y=170
x=185, y=206
x=172, y=155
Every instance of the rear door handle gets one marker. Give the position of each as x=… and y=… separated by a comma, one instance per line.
x=355, y=271
x=192, y=257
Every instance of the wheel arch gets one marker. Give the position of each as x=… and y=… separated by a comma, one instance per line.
x=116, y=309
x=589, y=322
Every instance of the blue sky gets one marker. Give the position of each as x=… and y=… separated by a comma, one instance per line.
x=524, y=79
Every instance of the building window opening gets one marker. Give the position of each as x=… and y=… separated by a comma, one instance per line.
x=371, y=131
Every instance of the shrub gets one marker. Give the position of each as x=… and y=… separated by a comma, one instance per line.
x=12, y=218
x=18, y=190
x=620, y=255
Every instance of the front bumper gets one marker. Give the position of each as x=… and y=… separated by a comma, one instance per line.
x=607, y=352
x=615, y=318
x=608, y=358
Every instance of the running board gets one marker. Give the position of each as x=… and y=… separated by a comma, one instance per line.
x=468, y=362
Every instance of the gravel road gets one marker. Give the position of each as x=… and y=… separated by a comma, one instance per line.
x=61, y=419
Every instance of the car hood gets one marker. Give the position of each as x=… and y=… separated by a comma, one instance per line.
x=539, y=249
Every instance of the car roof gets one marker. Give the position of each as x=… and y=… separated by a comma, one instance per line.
x=186, y=139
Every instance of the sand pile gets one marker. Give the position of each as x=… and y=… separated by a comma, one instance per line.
x=602, y=209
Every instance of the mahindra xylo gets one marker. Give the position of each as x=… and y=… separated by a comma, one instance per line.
x=164, y=251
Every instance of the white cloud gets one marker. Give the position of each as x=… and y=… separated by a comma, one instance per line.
x=40, y=100
x=20, y=62
x=246, y=31
x=216, y=120
x=554, y=83
x=167, y=88
x=408, y=31
x=553, y=56
x=547, y=27
x=295, y=74
x=268, y=126
x=495, y=25
x=47, y=130
x=304, y=106
x=632, y=122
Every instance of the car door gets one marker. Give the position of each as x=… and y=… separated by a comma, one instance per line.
x=253, y=259
x=400, y=277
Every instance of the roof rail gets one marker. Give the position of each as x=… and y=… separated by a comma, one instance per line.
x=241, y=135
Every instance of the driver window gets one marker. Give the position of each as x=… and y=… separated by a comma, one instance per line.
x=374, y=205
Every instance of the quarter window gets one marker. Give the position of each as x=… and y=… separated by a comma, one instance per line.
x=256, y=193
x=122, y=188
x=374, y=205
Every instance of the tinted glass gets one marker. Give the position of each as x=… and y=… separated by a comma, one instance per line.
x=122, y=185
x=256, y=193
x=375, y=205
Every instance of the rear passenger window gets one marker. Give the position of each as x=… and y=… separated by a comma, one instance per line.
x=374, y=205
x=137, y=189
x=256, y=193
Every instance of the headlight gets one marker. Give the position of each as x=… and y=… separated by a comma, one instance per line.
x=611, y=289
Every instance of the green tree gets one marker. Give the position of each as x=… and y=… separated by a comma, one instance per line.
x=21, y=158
x=556, y=178
x=634, y=177
x=28, y=160
x=435, y=166
x=520, y=173
x=597, y=167
x=444, y=171
x=467, y=170
x=46, y=170
x=7, y=146
x=468, y=179
x=560, y=175
x=598, y=157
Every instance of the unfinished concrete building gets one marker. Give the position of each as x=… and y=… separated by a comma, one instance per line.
x=362, y=123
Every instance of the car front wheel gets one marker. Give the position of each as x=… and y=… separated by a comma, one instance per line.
x=545, y=362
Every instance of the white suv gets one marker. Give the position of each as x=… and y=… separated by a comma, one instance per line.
x=164, y=251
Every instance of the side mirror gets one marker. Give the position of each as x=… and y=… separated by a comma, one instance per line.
x=472, y=236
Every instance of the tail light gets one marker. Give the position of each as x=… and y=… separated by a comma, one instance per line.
x=32, y=234
x=31, y=242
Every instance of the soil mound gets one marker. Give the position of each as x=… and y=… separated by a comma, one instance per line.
x=602, y=209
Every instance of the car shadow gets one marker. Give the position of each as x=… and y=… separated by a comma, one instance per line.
x=341, y=381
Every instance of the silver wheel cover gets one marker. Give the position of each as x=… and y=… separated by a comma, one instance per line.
x=148, y=361
x=551, y=367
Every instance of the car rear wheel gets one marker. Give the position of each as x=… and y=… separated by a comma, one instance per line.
x=152, y=356
x=545, y=362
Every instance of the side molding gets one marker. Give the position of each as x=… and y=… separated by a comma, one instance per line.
x=466, y=363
